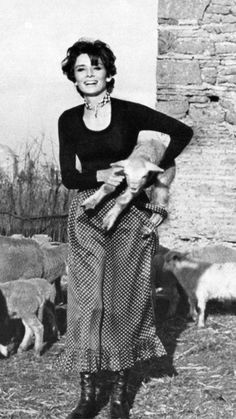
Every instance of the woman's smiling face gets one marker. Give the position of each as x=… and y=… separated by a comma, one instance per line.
x=91, y=79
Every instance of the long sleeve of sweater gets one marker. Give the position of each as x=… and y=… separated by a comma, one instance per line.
x=180, y=134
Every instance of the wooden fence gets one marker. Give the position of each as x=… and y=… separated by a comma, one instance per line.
x=53, y=225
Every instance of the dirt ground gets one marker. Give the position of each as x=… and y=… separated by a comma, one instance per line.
x=197, y=378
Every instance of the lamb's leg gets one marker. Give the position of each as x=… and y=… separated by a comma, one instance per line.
x=201, y=311
x=3, y=350
x=92, y=201
x=27, y=339
x=38, y=329
x=51, y=316
x=192, y=309
x=59, y=293
x=41, y=311
x=121, y=203
x=173, y=304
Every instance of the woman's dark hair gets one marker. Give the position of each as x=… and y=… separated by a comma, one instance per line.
x=95, y=50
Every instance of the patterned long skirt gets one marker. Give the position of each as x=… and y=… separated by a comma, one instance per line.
x=110, y=323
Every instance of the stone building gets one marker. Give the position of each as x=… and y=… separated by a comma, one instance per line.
x=196, y=82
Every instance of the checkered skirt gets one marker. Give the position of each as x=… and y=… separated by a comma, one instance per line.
x=110, y=322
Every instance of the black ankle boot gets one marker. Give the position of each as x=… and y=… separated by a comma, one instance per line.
x=86, y=408
x=119, y=402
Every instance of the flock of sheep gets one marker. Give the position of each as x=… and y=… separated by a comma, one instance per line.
x=31, y=271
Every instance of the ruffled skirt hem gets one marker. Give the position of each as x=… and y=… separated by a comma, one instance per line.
x=90, y=360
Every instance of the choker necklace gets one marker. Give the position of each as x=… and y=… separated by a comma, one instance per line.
x=106, y=99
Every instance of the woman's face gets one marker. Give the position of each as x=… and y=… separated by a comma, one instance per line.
x=91, y=79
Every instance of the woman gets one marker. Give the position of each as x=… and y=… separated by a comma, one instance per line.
x=110, y=323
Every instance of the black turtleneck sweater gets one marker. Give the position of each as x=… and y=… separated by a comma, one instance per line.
x=97, y=149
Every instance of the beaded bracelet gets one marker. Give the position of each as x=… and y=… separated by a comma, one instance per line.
x=155, y=208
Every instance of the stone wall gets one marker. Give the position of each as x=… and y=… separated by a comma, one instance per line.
x=196, y=82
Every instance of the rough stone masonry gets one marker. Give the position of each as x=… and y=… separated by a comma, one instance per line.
x=196, y=82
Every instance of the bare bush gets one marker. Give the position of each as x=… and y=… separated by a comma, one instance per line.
x=35, y=201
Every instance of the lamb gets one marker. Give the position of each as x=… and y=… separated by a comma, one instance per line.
x=143, y=160
x=202, y=281
x=165, y=283
x=25, y=299
x=25, y=258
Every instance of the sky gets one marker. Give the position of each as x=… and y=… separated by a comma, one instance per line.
x=34, y=38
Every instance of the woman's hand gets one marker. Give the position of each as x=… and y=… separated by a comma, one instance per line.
x=112, y=176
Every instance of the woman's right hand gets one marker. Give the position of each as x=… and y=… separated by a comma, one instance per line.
x=112, y=176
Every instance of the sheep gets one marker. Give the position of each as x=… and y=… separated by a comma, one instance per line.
x=25, y=299
x=26, y=258
x=214, y=254
x=143, y=160
x=166, y=285
x=42, y=238
x=18, y=236
x=202, y=281
x=19, y=257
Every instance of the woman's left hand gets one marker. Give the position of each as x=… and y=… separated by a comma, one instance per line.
x=156, y=219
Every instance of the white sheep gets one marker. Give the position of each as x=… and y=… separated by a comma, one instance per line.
x=42, y=238
x=143, y=160
x=202, y=281
x=25, y=258
x=25, y=299
x=166, y=285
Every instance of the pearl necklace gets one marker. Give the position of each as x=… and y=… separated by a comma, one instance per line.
x=106, y=99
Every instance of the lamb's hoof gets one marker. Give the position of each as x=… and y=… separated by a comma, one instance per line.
x=146, y=232
x=58, y=336
x=4, y=350
x=37, y=355
x=170, y=314
x=200, y=325
x=89, y=204
x=20, y=350
x=106, y=227
x=38, y=352
x=108, y=223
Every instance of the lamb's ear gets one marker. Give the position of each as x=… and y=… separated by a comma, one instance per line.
x=174, y=255
x=120, y=163
x=180, y=256
x=151, y=167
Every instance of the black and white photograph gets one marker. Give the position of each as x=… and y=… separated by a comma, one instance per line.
x=118, y=209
